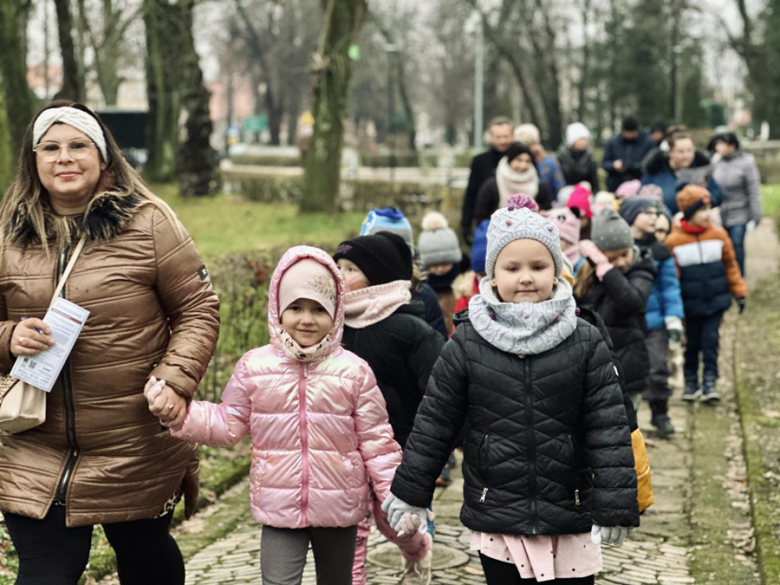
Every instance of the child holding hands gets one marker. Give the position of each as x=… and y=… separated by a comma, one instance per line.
x=321, y=439
x=548, y=467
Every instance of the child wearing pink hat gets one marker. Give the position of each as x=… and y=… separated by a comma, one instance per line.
x=568, y=222
x=580, y=199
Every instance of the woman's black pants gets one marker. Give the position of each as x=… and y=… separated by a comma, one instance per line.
x=52, y=554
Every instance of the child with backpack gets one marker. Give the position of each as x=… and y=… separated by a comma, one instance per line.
x=548, y=468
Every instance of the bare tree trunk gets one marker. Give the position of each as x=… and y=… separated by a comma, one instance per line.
x=72, y=82
x=340, y=24
x=163, y=30
x=196, y=167
x=585, y=70
x=18, y=97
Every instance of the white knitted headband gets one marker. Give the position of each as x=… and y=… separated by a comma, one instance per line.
x=76, y=118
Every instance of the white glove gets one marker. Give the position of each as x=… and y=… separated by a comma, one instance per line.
x=395, y=510
x=674, y=327
x=751, y=225
x=612, y=535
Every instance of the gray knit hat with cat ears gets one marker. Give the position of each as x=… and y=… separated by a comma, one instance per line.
x=520, y=220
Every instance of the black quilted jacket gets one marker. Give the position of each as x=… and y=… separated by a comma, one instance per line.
x=548, y=450
x=621, y=300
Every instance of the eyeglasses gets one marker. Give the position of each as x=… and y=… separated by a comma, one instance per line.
x=651, y=212
x=78, y=149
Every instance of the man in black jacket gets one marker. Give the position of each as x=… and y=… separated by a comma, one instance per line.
x=483, y=167
x=624, y=153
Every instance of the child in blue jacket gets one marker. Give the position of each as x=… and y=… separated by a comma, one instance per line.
x=664, y=308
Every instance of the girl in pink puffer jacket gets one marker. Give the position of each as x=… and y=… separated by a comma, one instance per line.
x=321, y=439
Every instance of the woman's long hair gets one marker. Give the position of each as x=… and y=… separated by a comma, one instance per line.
x=118, y=178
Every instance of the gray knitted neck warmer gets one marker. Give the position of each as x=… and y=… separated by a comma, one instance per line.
x=523, y=328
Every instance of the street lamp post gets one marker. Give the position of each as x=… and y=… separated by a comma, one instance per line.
x=478, y=83
x=390, y=50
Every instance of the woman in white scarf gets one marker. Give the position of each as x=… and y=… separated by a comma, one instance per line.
x=516, y=173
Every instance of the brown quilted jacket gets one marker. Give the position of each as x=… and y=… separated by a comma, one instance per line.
x=153, y=312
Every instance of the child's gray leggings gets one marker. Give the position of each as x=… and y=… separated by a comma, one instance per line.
x=283, y=554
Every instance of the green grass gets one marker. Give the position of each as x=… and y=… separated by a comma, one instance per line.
x=227, y=223
x=770, y=200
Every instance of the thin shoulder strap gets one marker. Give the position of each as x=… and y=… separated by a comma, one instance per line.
x=69, y=268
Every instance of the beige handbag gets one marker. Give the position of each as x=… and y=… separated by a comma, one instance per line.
x=22, y=406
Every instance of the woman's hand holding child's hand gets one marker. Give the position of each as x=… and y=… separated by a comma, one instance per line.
x=396, y=509
x=595, y=257
x=165, y=404
x=612, y=535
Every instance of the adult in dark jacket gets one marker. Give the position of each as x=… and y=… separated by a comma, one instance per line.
x=483, y=167
x=615, y=283
x=682, y=164
x=576, y=158
x=516, y=173
x=624, y=153
x=547, y=451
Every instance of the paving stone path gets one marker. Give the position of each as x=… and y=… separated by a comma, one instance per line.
x=659, y=552
x=653, y=555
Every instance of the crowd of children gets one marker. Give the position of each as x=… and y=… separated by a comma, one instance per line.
x=556, y=326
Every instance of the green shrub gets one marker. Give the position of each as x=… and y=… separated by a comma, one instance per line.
x=265, y=160
x=358, y=196
x=403, y=158
x=264, y=188
x=769, y=167
x=463, y=159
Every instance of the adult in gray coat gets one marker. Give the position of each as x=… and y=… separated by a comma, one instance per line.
x=737, y=173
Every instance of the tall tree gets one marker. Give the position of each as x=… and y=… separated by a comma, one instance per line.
x=175, y=86
x=525, y=35
x=72, y=79
x=106, y=36
x=196, y=167
x=6, y=155
x=341, y=21
x=279, y=38
x=758, y=44
x=13, y=71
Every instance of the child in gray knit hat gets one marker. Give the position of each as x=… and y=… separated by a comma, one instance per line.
x=441, y=258
x=616, y=283
x=527, y=373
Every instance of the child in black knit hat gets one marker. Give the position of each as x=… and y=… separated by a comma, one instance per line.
x=387, y=330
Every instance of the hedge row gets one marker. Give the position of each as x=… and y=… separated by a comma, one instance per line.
x=355, y=195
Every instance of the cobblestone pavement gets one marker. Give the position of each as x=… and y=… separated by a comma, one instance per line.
x=653, y=555
x=657, y=553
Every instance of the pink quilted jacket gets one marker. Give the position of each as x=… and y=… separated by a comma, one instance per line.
x=320, y=431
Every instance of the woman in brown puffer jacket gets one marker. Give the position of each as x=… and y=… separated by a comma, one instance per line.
x=101, y=456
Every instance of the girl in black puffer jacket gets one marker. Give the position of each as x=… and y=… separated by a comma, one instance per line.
x=616, y=283
x=548, y=468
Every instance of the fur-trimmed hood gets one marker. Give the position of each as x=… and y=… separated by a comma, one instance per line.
x=105, y=218
x=658, y=161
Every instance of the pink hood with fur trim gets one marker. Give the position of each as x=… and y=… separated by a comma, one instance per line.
x=319, y=428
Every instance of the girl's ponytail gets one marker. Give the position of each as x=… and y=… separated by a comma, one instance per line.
x=585, y=278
